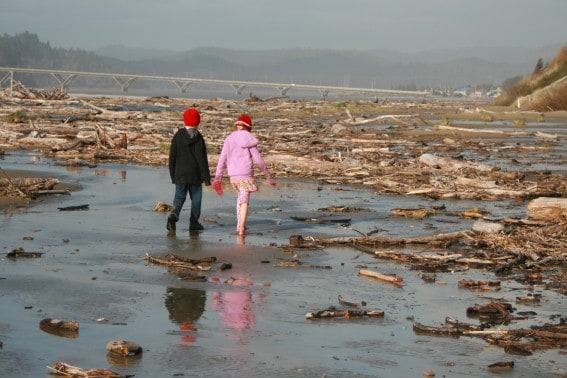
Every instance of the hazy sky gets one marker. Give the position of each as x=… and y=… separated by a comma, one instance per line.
x=403, y=25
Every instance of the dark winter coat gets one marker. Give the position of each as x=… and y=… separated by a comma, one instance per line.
x=188, y=161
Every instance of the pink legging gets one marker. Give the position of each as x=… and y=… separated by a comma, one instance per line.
x=243, y=188
x=243, y=197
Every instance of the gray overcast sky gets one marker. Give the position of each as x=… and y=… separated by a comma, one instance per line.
x=180, y=25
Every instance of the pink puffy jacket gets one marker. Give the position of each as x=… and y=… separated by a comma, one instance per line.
x=238, y=155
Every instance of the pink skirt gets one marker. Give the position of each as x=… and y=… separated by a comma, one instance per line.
x=247, y=185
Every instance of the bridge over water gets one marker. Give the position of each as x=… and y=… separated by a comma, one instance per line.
x=124, y=81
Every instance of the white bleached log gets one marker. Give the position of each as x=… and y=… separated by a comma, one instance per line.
x=548, y=209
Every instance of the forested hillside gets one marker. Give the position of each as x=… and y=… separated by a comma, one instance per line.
x=27, y=51
x=350, y=68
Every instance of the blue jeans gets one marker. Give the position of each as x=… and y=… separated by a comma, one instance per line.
x=196, y=196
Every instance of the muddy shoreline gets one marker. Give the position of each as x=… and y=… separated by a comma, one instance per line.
x=365, y=175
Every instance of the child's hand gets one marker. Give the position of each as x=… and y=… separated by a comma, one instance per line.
x=217, y=186
x=271, y=181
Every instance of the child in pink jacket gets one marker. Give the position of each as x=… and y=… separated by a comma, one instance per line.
x=238, y=155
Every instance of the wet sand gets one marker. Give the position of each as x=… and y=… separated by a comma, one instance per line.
x=93, y=271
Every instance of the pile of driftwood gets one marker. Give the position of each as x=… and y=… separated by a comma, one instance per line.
x=516, y=341
x=306, y=139
x=19, y=91
x=28, y=187
x=529, y=249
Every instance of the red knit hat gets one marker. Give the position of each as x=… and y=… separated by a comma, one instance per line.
x=191, y=117
x=244, y=120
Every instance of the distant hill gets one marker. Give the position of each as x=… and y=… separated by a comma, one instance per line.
x=545, y=89
x=126, y=54
x=379, y=68
x=385, y=69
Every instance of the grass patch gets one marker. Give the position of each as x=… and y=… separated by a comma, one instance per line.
x=519, y=122
x=164, y=148
x=446, y=122
x=18, y=116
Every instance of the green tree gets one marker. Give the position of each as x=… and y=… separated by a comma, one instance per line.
x=539, y=66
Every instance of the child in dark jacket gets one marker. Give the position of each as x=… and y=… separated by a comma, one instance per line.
x=189, y=169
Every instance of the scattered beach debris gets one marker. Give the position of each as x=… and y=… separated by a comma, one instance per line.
x=343, y=302
x=517, y=341
x=162, y=207
x=501, y=366
x=414, y=213
x=57, y=327
x=479, y=284
x=297, y=263
x=321, y=219
x=74, y=208
x=332, y=312
x=20, y=252
x=173, y=261
x=67, y=370
x=124, y=347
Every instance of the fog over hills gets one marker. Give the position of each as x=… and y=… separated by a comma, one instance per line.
x=353, y=68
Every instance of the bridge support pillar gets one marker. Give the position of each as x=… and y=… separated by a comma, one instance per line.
x=182, y=85
x=238, y=88
x=9, y=77
x=124, y=83
x=64, y=82
x=283, y=90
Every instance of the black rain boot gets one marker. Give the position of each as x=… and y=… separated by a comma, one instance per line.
x=172, y=219
x=194, y=224
x=196, y=227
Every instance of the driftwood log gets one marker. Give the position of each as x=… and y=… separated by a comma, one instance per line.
x=346, y=314
x=177, y=262
x=440, y=162
x=296, y=263
x=74, y=207
x=379, y=276
x=439, y=239
x=501, y=366
x=553, y=210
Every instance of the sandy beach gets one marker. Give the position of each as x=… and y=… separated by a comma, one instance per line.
x=250, y=320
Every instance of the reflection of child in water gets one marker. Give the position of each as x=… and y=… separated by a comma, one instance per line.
x=235, y=307
x=185, y=307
